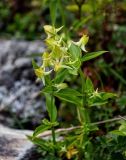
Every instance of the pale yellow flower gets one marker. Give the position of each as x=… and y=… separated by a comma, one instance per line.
x=51, y=31
x=82, y=42
x=71, y=152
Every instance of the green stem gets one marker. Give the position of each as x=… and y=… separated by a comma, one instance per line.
x=53, y=129
x=53, y=135
x=84, y=106
x=79, y=4
x=84, y=114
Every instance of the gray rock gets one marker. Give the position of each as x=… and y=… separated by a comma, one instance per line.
x=13, y=143
x=21, y=62
x=18, y=86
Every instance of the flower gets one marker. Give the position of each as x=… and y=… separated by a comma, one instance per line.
x=60, y=86
x=71, y=152
x=51, y=31
x=95, y=94
x=46, y=59
x=41, y=73
x=82, y=42
x=59, y=65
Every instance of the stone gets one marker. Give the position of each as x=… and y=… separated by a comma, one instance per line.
x=21, y=62
x=18, y=82
x=13, y=143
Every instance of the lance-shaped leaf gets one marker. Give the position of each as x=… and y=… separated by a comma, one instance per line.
x=69, y=95
x=40, y=142
x=53, y=10
x=92, y=55
x=48, y=89
x=75, y=51
x=88, y=87
x=121, y=131
x=61, y=75
x=70, y=91
x=106, y=96
x=51, y=108
x=40, y=129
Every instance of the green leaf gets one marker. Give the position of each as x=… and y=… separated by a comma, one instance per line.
x=92, y=55
x=75, y=51
x=105, y=96
x=83, y=79
x=61, y=10
x=69, y=95
x=34, y=64
x=75, y=65
x=47, y=80
x=89, y=88
x=96, y=103
x=78, y=24
x=48, y=123
x=61, y=75
x=122, y=128
x=34, y=55
x=53, y=10
x=122, y=100
x=117, y=75
x=40, y=142
x=70, y=91
x=101, y=98
x=119, y=133
x=51, y=108
x=40, y=129
x=48, y=89
x=70, y=99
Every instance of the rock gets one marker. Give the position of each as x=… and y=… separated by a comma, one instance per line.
x=18, y=87
x=21, y=62
x=13, y=143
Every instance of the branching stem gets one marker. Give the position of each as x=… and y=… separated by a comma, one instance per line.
x=70, y=129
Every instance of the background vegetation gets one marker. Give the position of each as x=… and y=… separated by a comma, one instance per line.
x=104, y=21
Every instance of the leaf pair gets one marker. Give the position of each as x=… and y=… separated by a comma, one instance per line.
x=95, y=98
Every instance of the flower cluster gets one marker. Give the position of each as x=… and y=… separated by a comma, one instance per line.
x=60, y=54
